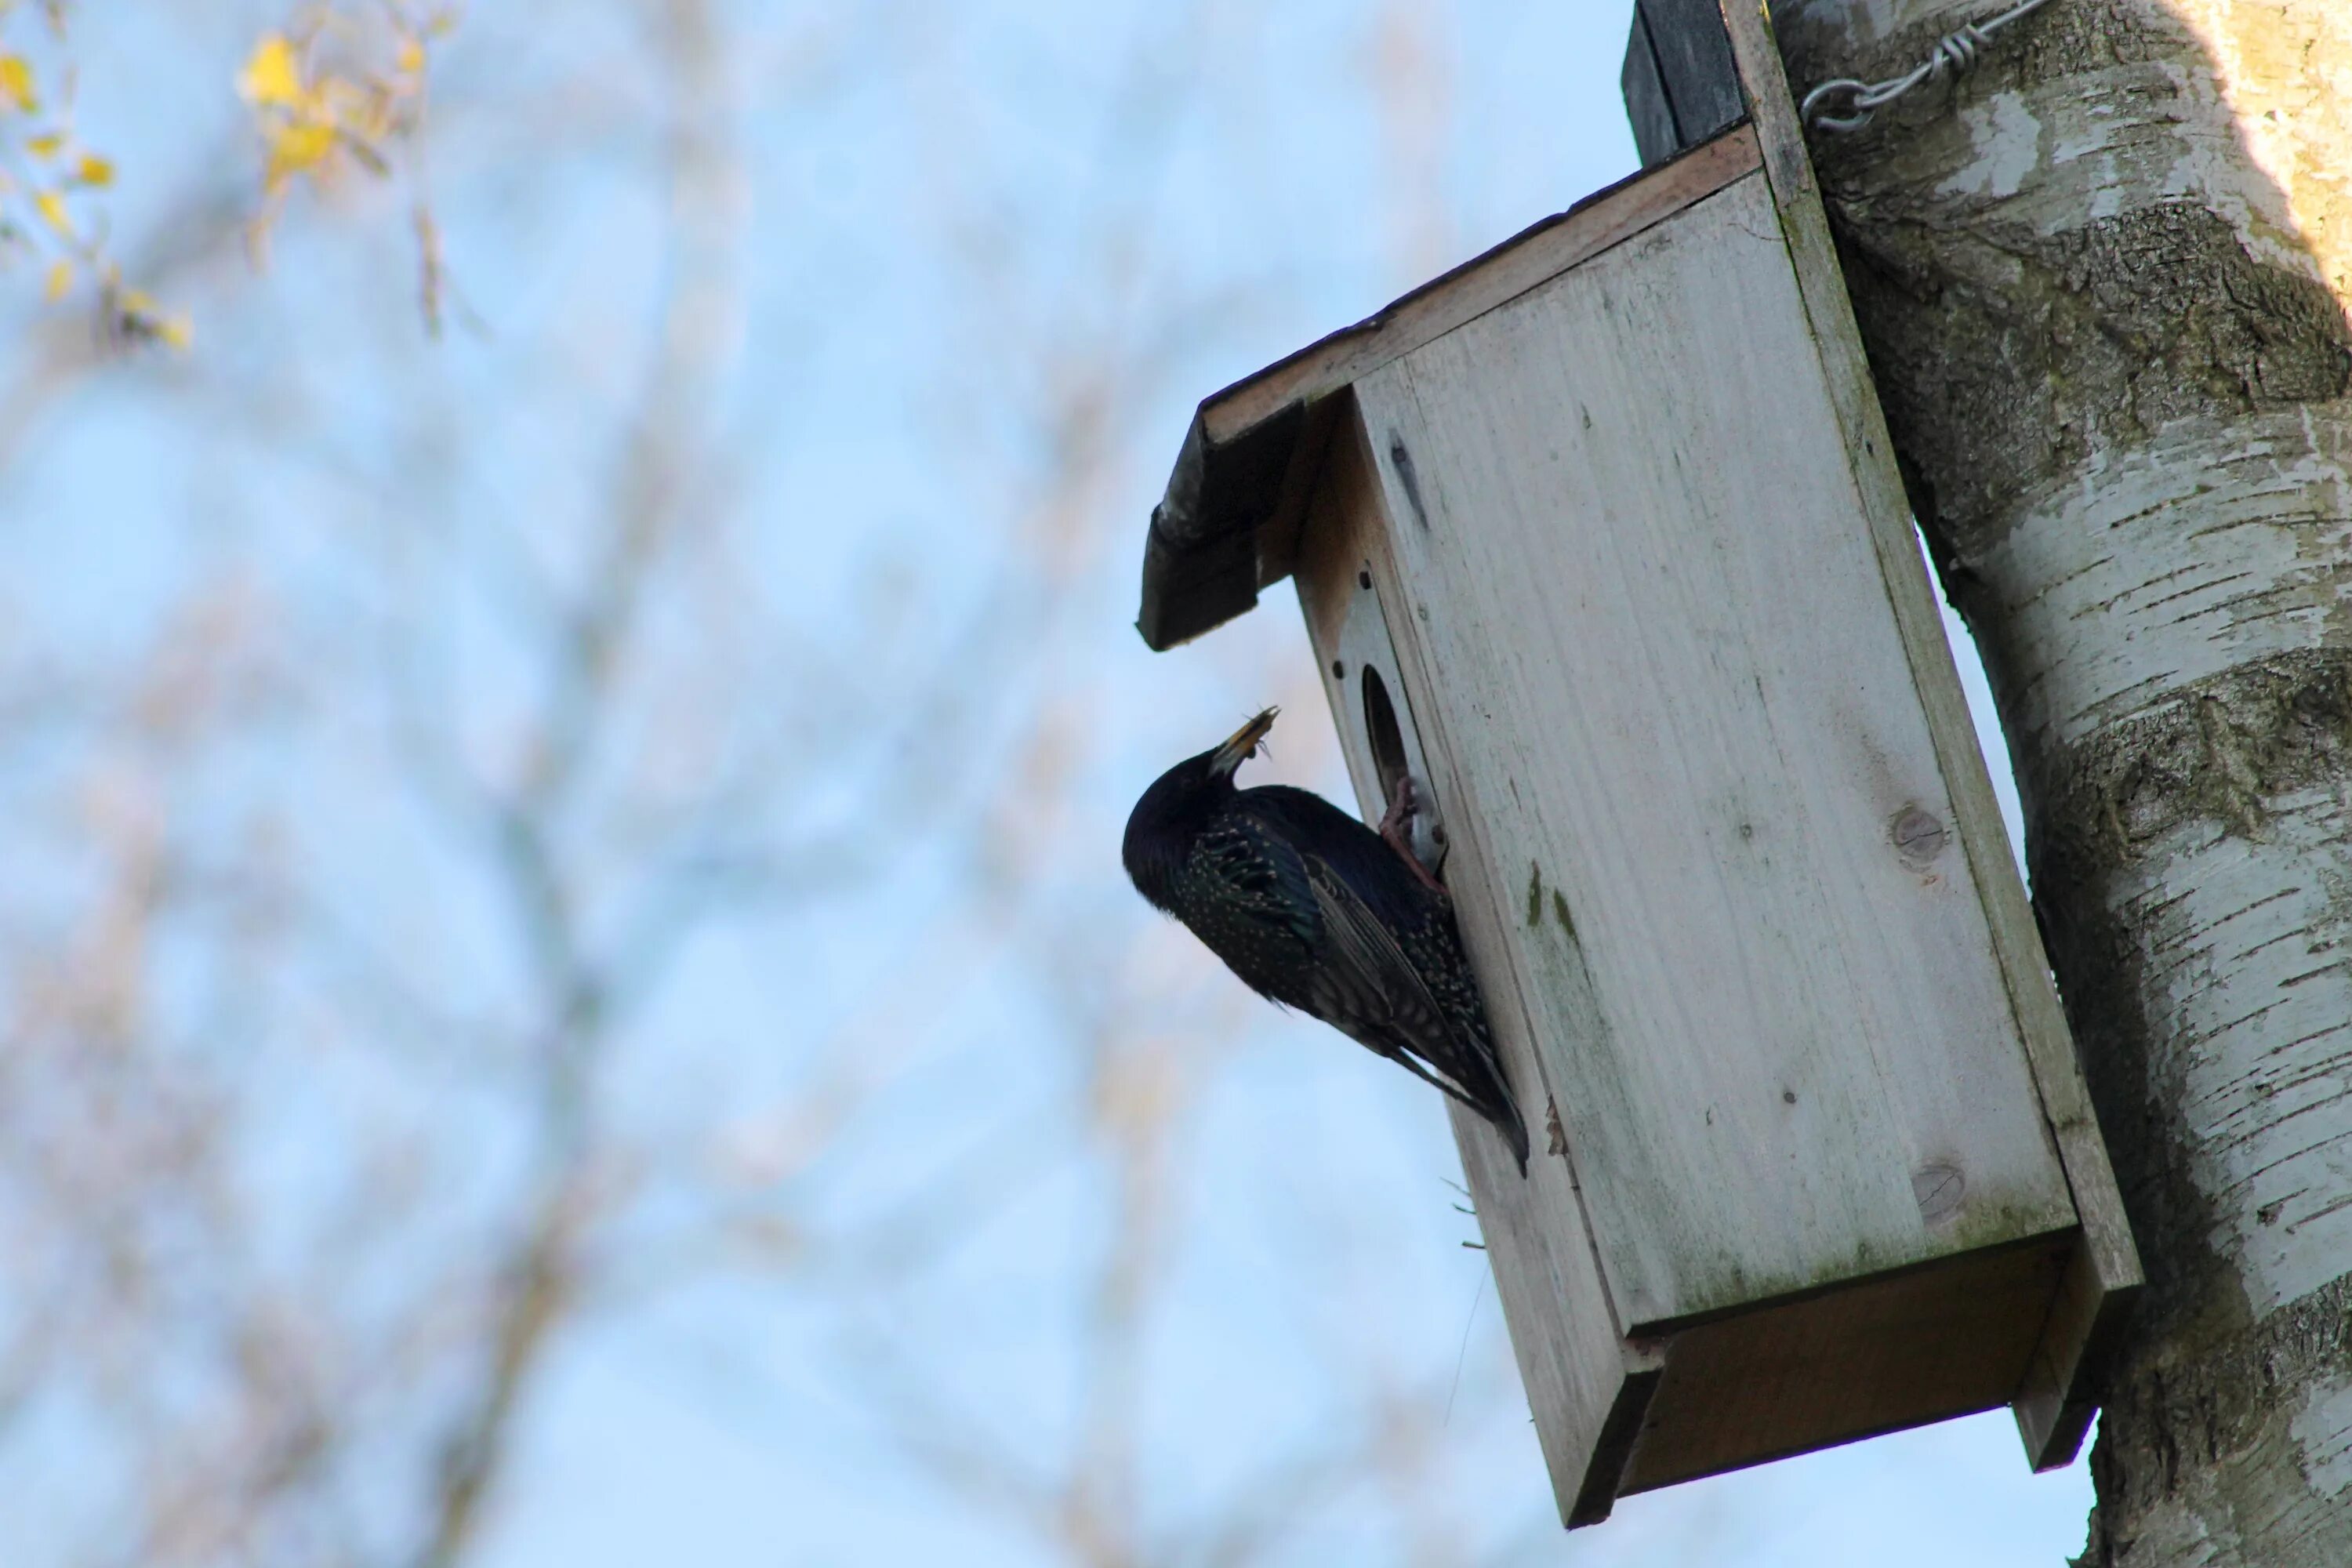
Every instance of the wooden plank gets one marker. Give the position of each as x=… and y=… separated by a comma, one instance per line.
x=1604, y=1477
x=1199, y=571
x=1691, y=59
x=1673, y=697
x=2060, y=1393
x=1278, y=537
x=2112, y=1258
x=1946, y=1339
x=1585, y=1386
x=1646, y=109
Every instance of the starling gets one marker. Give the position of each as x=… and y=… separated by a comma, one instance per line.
x=1314, y=910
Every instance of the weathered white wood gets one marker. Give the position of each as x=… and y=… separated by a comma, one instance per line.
x=2052, y=1415
x=1586, y=1385
x=1470, y=290
x=1676, y=706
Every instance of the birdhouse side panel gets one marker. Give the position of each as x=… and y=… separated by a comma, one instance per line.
x=1681, y=719
x=1585, y=1386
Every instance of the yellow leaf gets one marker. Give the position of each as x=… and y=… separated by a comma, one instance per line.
x=297, y=146
x=17, y=82
x=94, y=170
x=272, y=76
x=52, y=208
x=44, y=145
x=177, y=330
x=60, y=279
x=411, y=57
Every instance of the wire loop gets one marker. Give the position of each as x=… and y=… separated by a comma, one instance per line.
x=1955, y=55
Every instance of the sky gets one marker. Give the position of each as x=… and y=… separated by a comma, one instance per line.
x=899, y=272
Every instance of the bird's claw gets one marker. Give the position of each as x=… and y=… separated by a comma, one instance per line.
x=1396, y=827
x=1403, y=807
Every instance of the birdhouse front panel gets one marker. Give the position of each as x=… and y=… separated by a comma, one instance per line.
x=1653, y=635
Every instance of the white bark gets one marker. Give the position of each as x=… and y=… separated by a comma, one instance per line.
x=2103, y=287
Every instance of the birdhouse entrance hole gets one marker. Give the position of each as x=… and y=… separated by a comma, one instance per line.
x=1813, y=1157
x=1381, y=729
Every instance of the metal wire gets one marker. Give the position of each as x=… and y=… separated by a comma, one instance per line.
x=1954, y=55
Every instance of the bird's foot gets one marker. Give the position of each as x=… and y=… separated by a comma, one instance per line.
x=1396, y=828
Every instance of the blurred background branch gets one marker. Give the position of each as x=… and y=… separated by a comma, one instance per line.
x=564, y=989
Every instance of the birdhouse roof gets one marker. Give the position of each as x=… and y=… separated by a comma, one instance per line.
x=1228, y=524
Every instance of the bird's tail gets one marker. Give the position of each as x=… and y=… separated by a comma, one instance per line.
x=1504, y=1112
x=1484, y=1088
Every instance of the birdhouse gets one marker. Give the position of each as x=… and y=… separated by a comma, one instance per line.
x=1599, y=537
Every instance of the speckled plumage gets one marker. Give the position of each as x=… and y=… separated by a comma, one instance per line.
x=1314, y=910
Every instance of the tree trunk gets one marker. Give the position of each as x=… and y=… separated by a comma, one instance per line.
x=2102, y=284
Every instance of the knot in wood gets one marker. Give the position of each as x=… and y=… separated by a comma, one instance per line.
x=1919, y=836
x=1939, y=1187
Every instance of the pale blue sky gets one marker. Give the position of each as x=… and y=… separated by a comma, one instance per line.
x=938, y=211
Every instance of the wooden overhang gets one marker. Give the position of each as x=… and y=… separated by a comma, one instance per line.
x=1228, y=525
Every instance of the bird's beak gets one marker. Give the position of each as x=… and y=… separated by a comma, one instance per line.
x=1238, y=746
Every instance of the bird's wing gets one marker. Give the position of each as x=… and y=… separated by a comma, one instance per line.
x=1258, y=875
x=1371, y=980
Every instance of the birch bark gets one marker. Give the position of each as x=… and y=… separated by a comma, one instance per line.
x=2103, y=287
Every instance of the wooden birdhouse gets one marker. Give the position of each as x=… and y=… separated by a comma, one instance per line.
x=1600, y=537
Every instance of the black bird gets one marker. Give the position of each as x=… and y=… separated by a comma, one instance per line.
x=1314, y=910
